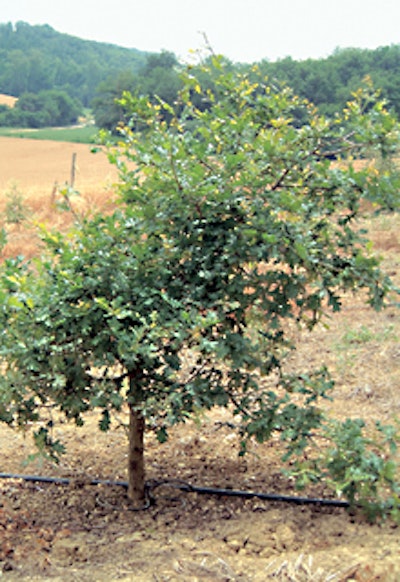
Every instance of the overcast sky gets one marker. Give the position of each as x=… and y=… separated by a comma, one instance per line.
x=243, y=30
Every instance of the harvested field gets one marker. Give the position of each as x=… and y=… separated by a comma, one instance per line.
x=35, y=170
x=37, y=165
x=83, y=532
x=7, y=100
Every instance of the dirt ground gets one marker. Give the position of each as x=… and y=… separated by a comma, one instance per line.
x=84, y=532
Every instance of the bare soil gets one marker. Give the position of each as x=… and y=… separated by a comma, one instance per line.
x=89, y=532
x=85, y=532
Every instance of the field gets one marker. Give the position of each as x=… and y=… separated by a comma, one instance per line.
x=77, y=134
x=35, y=171
x=37, y=165
x=83, y=532
x=7, y=100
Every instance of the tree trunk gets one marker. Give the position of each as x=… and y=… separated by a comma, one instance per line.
x=136, y=474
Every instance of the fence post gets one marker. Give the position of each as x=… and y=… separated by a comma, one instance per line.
x=73, y=170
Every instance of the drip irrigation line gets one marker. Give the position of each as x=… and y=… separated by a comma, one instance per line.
x=263, y=496
x=61, y=480
x=187, y=488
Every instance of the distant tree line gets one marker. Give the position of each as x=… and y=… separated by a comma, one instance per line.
x=328, y=83
x=44, y=109
x=38, y=64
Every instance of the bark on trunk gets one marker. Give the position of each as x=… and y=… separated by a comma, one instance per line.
x=136, y=473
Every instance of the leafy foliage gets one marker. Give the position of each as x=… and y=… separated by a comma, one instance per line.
x=361, y=467
x=234, y=228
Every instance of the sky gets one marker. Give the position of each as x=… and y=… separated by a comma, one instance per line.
x=242, y=30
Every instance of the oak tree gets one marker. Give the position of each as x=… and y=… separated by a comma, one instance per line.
x=234, y=225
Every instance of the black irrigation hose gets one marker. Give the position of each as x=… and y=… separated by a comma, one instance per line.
x=264, y=496
x=60, y=480
x=187, y=488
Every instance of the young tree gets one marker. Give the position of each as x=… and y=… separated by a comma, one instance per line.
x=234, y=226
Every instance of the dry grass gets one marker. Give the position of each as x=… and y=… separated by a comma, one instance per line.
x=37, y=170
x=37, y=165
x=8, y=100
x=301, y=569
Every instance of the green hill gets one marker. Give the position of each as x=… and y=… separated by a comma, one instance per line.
x=37, y=58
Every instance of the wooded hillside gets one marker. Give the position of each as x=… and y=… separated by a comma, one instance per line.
x=37, y=58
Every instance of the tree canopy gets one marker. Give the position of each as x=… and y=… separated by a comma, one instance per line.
x=328, y=83
x=159, y=79
x=234, y=227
